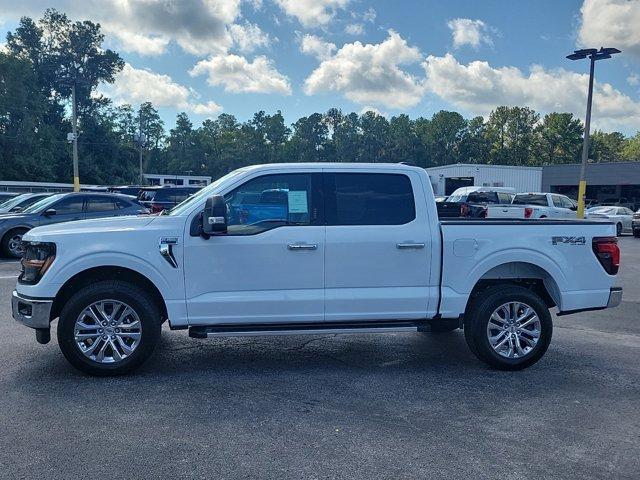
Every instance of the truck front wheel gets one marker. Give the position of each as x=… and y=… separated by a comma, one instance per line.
x=508, y=327
x=109, y=328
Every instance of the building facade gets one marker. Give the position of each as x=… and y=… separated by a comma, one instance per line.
x=177, y=180
x=610, y=182
x=447, y=178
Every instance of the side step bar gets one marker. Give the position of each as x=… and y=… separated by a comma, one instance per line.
x=305, y=328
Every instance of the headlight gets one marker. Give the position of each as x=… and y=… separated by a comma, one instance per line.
x=37, y=258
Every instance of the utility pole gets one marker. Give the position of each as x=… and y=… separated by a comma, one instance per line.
x=594, y=55
x=74, y=130
x=140, y=155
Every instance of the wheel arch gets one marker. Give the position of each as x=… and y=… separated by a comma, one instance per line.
x=108, y=272
x=523, y=274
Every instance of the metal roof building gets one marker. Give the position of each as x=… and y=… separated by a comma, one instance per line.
x=447, y=178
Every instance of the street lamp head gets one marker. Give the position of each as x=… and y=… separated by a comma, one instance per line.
x=593, y=53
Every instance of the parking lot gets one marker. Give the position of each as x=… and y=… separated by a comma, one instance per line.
x=337, y=406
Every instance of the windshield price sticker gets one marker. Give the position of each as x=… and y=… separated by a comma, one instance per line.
x=298, y=201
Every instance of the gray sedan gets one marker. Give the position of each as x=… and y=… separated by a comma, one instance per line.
x=62, y=207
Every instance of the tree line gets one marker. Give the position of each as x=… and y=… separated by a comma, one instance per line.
x=43, y=58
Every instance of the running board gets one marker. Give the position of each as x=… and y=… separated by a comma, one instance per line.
x=305, y=328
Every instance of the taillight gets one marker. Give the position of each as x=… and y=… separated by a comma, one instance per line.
x=608, y=253
x=528, y=212
x=464, y=210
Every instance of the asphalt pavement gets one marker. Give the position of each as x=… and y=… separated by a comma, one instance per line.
x=384, y=406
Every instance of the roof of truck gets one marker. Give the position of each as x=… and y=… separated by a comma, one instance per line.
x=344, y=165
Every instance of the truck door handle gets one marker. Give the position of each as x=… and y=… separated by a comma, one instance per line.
x=302, y=246
x=403, y=246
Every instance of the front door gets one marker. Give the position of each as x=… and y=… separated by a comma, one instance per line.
x=269, y=267
x=66, y=210
x=378, y=247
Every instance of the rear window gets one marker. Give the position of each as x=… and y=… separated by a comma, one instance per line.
x=482, y=197
x=540, y=200
x=147, y=195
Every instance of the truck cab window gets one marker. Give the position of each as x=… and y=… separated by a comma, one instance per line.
x=368, y=199
x=268, y=202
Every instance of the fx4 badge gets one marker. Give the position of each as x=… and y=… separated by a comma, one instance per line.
x=568, y=240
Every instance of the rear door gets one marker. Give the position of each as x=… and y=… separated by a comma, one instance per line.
x=378, y=246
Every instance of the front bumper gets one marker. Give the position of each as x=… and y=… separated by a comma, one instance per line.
x=34, y=313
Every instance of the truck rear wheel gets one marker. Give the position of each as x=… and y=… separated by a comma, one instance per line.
x=109, y=328
x=508, y=327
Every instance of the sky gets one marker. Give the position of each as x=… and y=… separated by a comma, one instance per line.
x=417, y=57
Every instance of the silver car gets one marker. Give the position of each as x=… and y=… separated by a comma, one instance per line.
x=20, y=202
x=621, y=216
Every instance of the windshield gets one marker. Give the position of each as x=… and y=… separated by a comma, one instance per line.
x=530, y=200
x=43, y=204
x=209, y=190
x=12, y=202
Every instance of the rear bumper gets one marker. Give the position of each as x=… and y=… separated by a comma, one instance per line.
x=34, y=313
x=615, y=298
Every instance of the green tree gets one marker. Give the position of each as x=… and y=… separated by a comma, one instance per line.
x=606, y=147
x=631, y=150
x=558, y=139
x=375, y=132
x=510, y=131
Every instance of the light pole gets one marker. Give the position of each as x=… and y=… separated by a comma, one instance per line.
x=594, y=55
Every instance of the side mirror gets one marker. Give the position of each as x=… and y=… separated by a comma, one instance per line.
x=214, y=217
x=575, y=208
x=49, y=212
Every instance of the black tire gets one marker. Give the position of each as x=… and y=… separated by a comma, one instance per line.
x=477, y=319
x=636, y=233
x=618, y=229
x=4, y=245
x=132, y=295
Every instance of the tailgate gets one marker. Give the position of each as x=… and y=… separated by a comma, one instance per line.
x=505, y=211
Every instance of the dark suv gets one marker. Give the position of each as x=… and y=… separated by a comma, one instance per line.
x=158, y=199
x=62, y=207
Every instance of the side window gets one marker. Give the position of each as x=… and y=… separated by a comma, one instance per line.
x=100, y=204
x=557, y=201
x=368, y=199
x=268, y=202
x=504, y=198
x=121, y=203
x=68, y=205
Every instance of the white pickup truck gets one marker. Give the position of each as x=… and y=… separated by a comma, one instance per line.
x=535, y=205
x=305, y=249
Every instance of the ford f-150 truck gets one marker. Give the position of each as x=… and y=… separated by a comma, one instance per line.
x=306, y=249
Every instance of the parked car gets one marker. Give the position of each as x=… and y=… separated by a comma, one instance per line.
x=157, y=199
x=58, y=208
x=7, y=195
x=636, y=224
x=304, y=249
x=133, y=190
x=618, y=202
x=474, y=202
x=20, y=202
x=543, y=205
x=622, y=217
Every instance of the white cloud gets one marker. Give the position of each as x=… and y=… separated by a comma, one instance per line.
x=372, y=110
x=135, y=86
x=469, y=32
x=370, y=74
x=610, y=23
x=248, y=36
x=354, y=29
x=633, y=79
x=369, y=15
x=147, y=27
x=312, y=13
x=238, y=75
x=479, y=88
x=316, y=46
